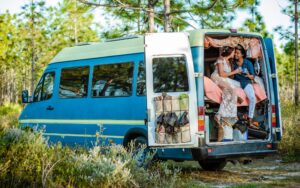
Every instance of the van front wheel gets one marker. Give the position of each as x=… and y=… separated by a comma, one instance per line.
x=212, y=165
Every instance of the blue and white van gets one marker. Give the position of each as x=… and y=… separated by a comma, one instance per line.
x=112, y=92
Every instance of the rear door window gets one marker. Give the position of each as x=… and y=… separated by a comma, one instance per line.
x=112, y=80
x=141, y=79
x=74, y=82
x=170, y=74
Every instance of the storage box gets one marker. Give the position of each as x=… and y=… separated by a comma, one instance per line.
x=239, y=136
x=228, y=133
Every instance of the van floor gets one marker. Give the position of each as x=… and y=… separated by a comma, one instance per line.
x=212, y=109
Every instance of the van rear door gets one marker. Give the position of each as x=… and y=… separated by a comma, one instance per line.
x=276, y=121
x=171, y=90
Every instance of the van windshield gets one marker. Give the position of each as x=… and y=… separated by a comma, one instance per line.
x=170, y=74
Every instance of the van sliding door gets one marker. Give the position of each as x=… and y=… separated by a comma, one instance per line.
x=171, y=92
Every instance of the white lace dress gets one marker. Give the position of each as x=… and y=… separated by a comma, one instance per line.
x=227, y=113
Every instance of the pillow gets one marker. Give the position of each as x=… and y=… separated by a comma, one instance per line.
x=259, y=93
x=212, y=91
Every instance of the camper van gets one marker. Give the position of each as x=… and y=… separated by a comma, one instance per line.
x=156, y=90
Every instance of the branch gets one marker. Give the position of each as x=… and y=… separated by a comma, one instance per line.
x=282, y=8
x=118, y=5
x=209, y=6
x=96, y=4
x=186, y=22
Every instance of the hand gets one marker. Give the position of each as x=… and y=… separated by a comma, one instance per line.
x=251, y=77
x=237, y=71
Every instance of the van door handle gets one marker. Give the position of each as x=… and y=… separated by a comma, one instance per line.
x=50, y=108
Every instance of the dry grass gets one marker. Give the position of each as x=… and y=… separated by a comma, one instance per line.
x=289, y=146
x=269, y=172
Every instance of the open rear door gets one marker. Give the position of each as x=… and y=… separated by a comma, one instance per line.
x=171, y=92
x=276, y=125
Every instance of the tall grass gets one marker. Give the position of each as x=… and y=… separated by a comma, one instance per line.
x=27, y=160
x=9, y=114
x=289, y=146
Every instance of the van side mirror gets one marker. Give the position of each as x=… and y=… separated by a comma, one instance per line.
x=25, y=97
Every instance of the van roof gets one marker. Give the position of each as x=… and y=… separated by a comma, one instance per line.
x=122, y=47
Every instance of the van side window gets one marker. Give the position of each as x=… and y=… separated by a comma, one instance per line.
x=170, y=74
x=44, y=89
x=74, y=82
x=112, y=80
x=141, y=79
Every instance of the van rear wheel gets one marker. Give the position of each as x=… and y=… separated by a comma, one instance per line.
x=213, y=165
x=139, y=144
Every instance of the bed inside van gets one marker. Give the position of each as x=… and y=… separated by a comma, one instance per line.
x=240, y=131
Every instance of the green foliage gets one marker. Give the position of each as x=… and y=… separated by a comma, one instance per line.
x=207, y=14
x=256, y=24
x=9, y=114
x=287, y=62
x=286, y=69
x=36, y=35
x=27, y=160
x=20, y=157
x=290, y=145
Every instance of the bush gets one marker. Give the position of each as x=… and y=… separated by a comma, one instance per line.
x=9, y=114
x=27, y=160
x=289, y=146
x=20, y=157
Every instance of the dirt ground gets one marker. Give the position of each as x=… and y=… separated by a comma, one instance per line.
x=267, y=172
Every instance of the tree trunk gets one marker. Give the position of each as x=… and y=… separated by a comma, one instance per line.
x=75, y=23
x=32, y=46
x=166, y=16
x=296, y=53
x=150, y=16
x=139, y=19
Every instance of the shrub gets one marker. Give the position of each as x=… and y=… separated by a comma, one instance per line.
x=27, y=160
x=289, y=146
x=20, y=155
x=9, y=114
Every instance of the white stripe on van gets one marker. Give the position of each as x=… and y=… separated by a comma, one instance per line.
x=79, y=121
x=82, y=135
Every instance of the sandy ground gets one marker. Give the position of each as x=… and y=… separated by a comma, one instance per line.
x=268, y=172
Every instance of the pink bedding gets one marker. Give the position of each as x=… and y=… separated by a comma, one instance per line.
x=214, y=93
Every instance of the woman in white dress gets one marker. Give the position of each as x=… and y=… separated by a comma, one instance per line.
x=227, y=113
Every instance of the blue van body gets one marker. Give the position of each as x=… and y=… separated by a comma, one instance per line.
x=90, y=120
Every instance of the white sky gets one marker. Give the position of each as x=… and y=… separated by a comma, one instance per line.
x=270, y=10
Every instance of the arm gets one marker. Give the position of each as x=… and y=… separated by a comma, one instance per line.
x=250, y=68
x=224, y=74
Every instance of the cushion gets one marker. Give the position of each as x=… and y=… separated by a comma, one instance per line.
x=214, y=93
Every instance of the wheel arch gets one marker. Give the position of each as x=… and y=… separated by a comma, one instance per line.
x=134, y=133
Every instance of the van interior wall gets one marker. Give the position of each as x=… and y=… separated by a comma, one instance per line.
x=261, y=116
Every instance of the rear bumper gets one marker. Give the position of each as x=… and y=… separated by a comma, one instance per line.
x=235, y=150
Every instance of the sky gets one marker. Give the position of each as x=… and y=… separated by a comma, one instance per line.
x=270, y=10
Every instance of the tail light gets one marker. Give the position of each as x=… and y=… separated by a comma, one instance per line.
x=273, y=116
x=201, y=115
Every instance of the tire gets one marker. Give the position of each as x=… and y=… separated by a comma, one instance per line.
x=213, y=165
x=138, y=143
